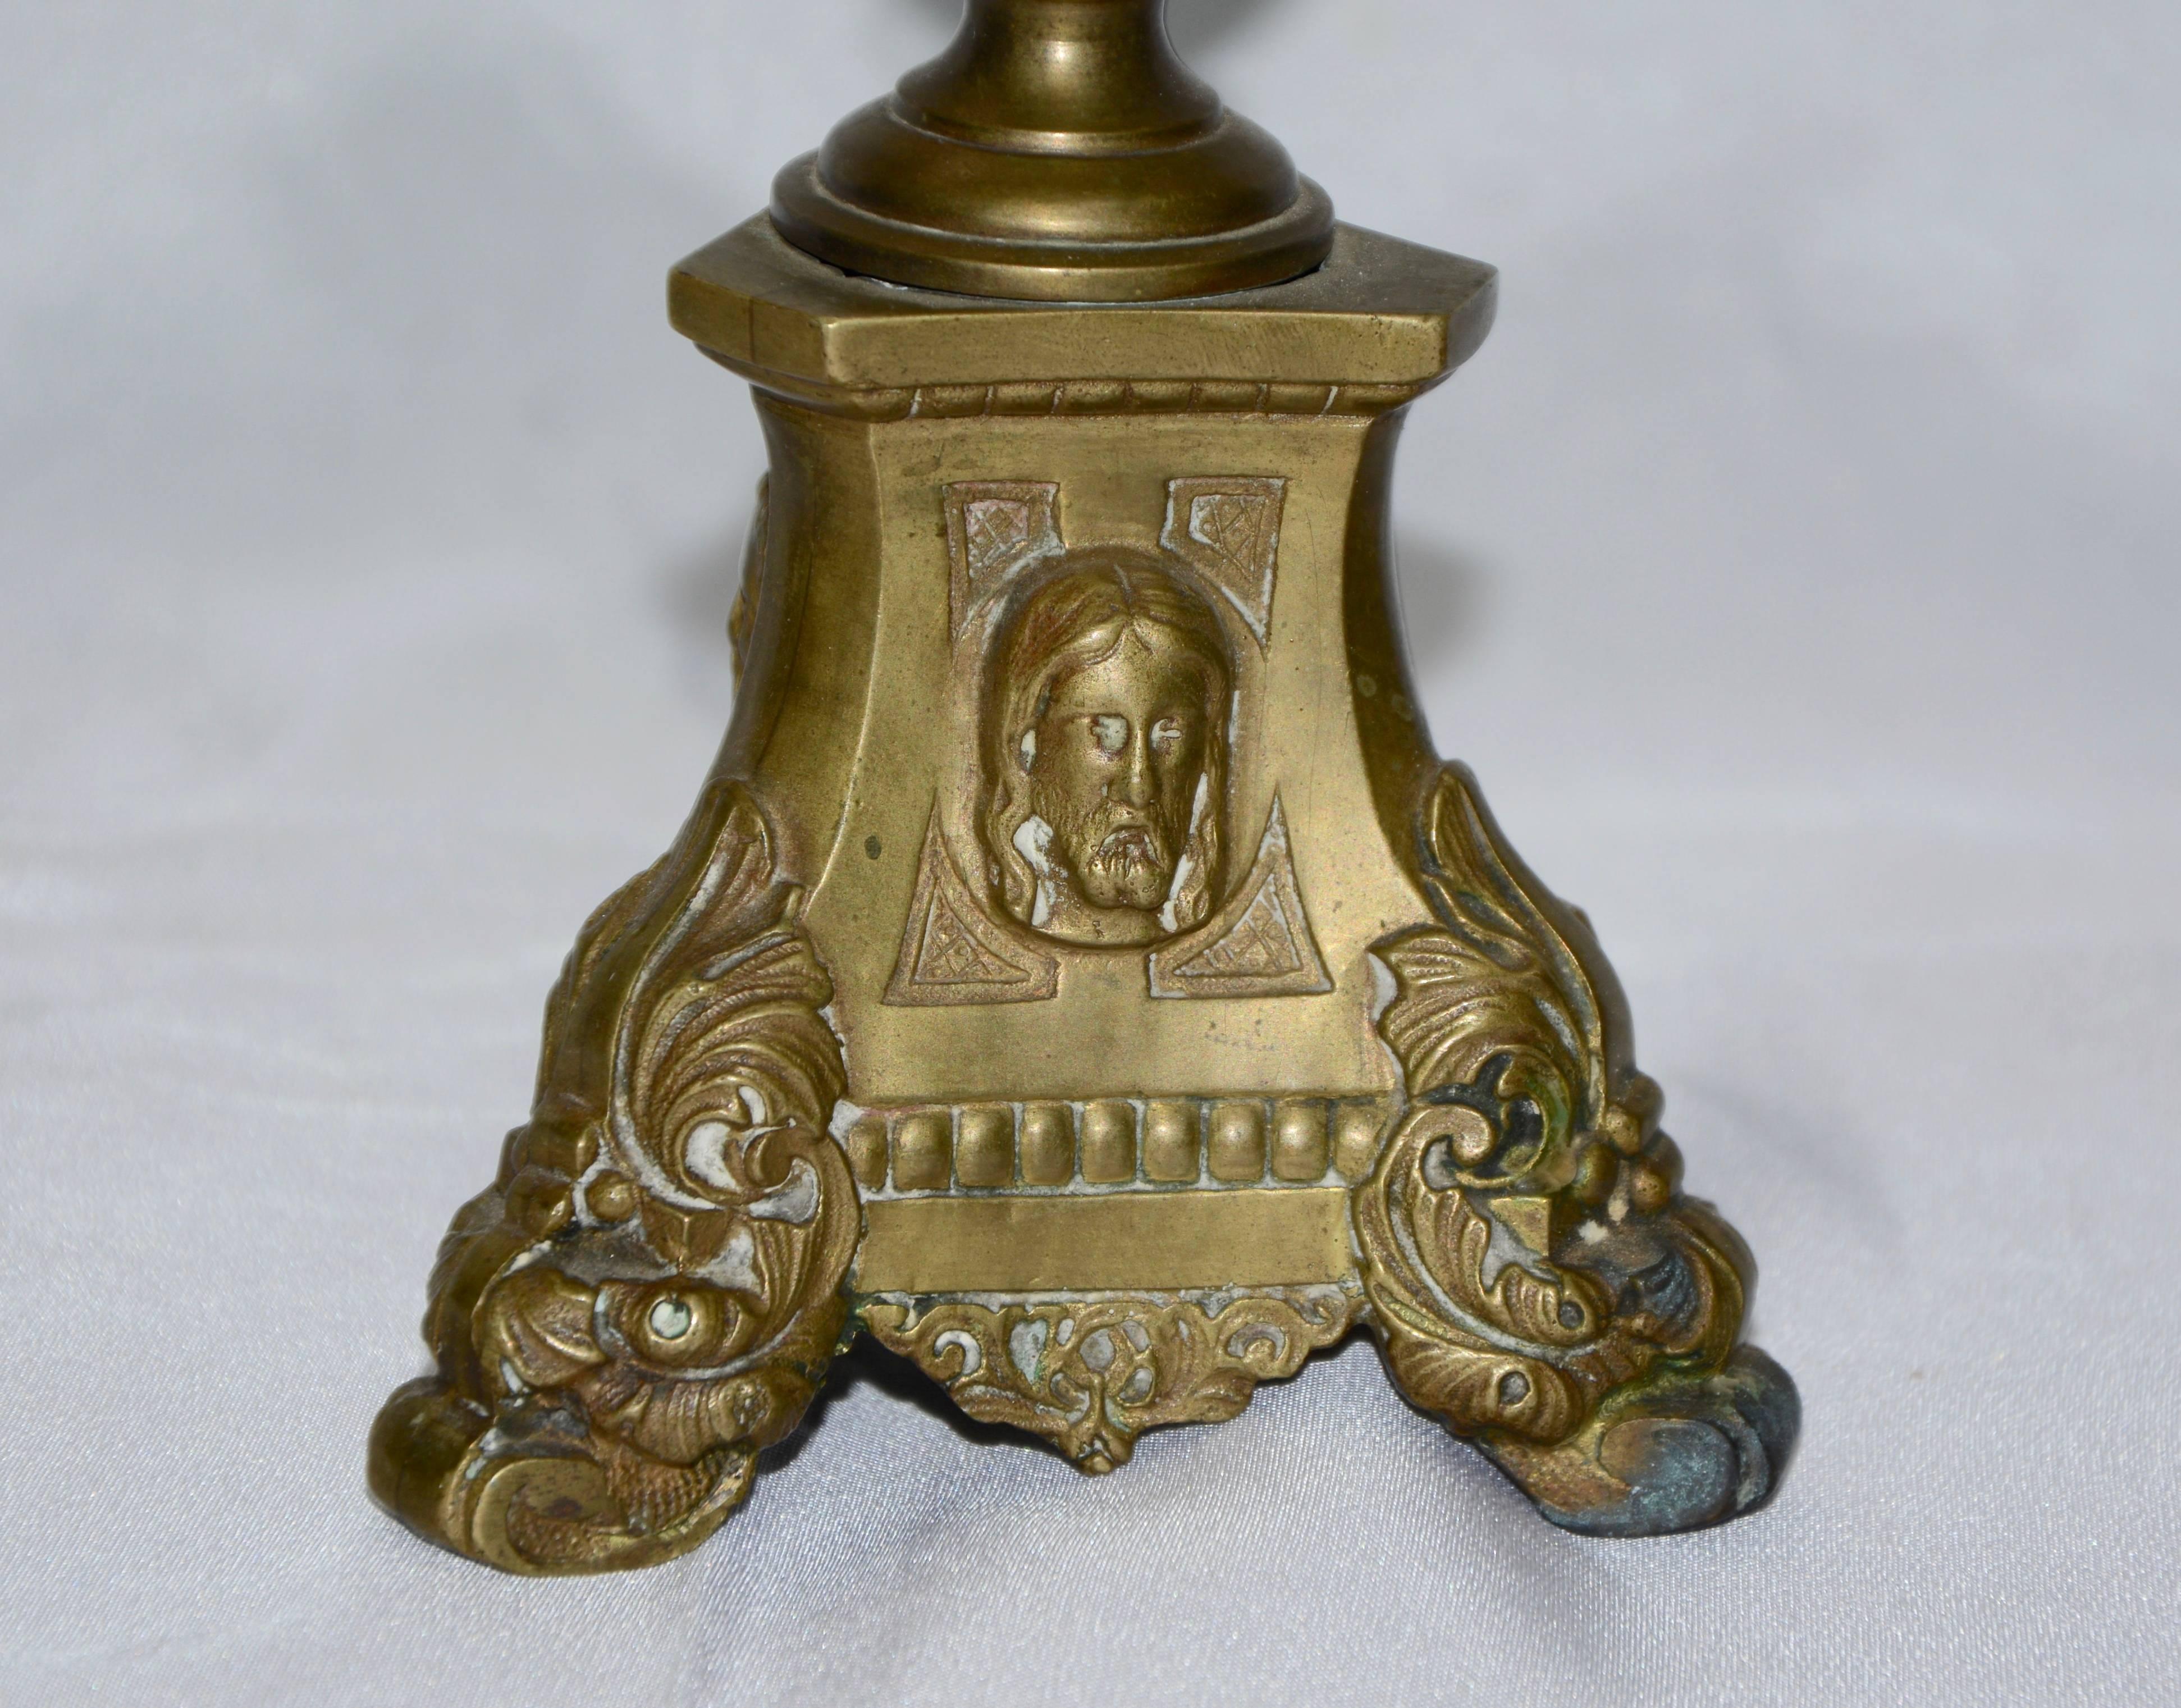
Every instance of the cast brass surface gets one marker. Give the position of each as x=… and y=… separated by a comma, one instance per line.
x=1080, y=972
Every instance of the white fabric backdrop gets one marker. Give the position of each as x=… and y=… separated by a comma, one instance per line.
x=1797, y=565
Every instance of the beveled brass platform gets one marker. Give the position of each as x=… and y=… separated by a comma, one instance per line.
x=1080, y=972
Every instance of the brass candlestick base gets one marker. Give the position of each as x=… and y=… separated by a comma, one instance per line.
x=1079, y=970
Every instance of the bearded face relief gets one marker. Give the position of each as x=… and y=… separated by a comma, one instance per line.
x=1105, y=748
x=1115, y=765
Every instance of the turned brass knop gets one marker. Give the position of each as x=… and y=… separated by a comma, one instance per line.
x=1059, y=151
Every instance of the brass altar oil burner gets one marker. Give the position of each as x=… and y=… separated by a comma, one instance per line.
x=1079, y=972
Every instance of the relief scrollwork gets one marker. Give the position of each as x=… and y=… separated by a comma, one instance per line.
x=1526, y=1248
x=1092, y=1375
x=651, y=1291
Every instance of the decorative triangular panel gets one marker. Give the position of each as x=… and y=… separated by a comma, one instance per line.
x=1258, y=945
x=1228, y=528
x=951, y=954
x=994, y=528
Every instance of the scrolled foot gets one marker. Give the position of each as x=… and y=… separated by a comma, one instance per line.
x=1666, y=1455
x=1537, y=1277
x=649, y=1293
x=536, y=1494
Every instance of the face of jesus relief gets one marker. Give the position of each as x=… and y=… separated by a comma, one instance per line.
x=1106, y=737
x=1115, y=764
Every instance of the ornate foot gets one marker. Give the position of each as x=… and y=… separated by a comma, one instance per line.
x=1535, y=1276
x=651, y=1291
x=1674, y=1454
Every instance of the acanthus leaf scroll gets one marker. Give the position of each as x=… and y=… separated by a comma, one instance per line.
x=651, y=1291
x=1526, y=1248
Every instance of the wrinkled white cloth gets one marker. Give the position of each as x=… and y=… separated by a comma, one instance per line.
x=1796, y=565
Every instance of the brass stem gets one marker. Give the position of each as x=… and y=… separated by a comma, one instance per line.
x=1061, y=76
x=1057, y=150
